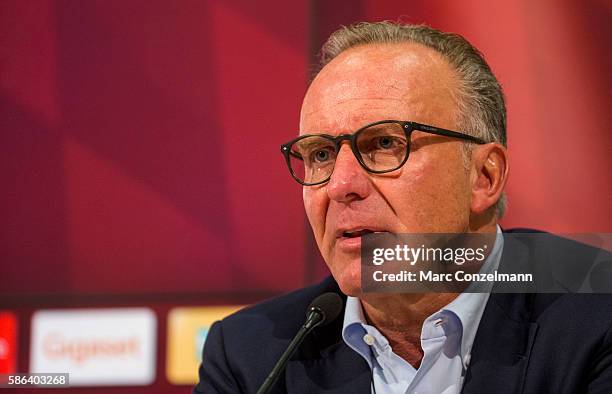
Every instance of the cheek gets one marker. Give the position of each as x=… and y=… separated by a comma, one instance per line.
x=315, y=203
x=432, y=196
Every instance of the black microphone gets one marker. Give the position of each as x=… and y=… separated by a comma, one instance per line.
x=322, y=311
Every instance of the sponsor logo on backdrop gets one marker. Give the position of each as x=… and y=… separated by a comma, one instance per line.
x=98, y=347
x=8, y=342
x=80, y=350
x=187, y=331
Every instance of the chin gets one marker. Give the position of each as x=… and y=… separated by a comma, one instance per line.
x=350, y=289
x=349, y=280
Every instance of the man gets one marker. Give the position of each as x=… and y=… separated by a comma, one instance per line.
x=415, y=143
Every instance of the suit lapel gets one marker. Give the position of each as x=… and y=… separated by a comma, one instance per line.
x=340, y=370
x=502, y=348
x=325, y=364
x=505, y=336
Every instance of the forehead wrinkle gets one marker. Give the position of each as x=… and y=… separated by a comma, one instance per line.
x=356, y=99
x=352, y=121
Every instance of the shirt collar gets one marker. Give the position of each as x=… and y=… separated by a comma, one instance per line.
x=469, y=307
x=353, y=328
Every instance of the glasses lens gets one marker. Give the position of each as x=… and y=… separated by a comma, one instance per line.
x=383, y=147
x=312, y=158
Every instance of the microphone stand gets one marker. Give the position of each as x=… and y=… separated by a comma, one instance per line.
x=315, y=317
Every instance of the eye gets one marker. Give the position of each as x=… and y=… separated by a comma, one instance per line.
x=321, y=155
x=385, y=142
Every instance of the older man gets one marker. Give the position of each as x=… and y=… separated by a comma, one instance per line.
x=403, y=131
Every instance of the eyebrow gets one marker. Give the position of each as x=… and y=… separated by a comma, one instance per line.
x=319, y=142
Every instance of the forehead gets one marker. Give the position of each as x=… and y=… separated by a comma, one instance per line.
x=402, y=81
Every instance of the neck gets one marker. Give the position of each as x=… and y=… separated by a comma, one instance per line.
x=399, y=317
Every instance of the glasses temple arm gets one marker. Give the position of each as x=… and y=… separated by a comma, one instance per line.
x=445, y=132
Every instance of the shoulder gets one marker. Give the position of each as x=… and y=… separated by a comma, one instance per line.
x=570, y=266
x=242, y=349
x=558, y=264
x=281, y=316
x=564, y=249
x=565, y=336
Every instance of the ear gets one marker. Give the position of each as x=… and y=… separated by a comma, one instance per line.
x=489, y=175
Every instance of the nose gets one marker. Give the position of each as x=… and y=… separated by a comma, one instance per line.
x=349, y=181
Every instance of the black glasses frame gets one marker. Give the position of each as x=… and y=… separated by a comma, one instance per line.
x=407, y=126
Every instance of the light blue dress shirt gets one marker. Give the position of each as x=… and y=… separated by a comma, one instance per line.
x=446, y=339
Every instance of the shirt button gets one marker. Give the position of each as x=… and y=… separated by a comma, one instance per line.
x=466, y=360
x=367, y=338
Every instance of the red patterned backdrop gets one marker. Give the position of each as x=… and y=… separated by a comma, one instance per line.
x=139, y=139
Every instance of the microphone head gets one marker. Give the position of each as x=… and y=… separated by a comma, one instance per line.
x=329, y=305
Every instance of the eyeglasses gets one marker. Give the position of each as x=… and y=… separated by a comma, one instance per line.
x=379, y=147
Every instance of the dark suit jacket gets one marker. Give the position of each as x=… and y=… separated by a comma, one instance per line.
x=525, y=343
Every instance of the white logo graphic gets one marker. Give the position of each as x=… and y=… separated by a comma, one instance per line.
x=97, y=347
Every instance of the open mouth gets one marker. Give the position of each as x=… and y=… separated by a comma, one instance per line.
x=357, y=233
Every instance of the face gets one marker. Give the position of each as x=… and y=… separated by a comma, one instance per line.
x=430, y=193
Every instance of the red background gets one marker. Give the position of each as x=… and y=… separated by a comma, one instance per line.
x=139, y=155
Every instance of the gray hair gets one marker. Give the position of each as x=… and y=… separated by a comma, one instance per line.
x=481, y=101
